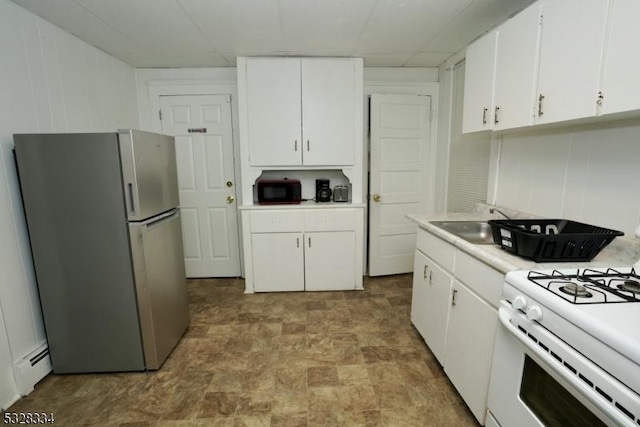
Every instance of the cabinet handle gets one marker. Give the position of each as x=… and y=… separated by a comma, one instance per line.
x=307, y=145
x=297, y=242
x=309, y=242
x=495, y=118
x=540, y=98
x=453, y=297
x=295, y=145
x=484, y=116
x=424, y=274
x=431, y=278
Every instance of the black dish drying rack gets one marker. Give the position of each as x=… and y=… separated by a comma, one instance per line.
x=548, y=240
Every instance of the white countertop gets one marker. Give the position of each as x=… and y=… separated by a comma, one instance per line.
x=622, y=251
x=309, y=204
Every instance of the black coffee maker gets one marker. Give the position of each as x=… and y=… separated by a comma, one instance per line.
x=323, y=191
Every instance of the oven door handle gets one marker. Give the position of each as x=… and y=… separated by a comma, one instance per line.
x=588, y=392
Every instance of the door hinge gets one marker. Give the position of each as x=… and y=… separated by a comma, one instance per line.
x=600, y=98
x=160, y=114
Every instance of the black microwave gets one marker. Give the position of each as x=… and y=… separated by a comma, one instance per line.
x=279, y=191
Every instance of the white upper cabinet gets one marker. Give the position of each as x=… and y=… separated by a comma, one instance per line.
x=557, y=61
x=516, y=69
x=477, y=114
x=274, y=111
x=621, y=85
x=329, y=121
x=302, y=111
x=571, y=51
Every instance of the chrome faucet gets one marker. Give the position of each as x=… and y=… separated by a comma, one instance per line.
x=492, y=210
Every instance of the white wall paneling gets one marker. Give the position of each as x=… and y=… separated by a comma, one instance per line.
x=153, y=83
x=587, y=173
x=51, y=82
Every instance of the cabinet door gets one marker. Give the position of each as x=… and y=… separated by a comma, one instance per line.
x=330, y=261
x=469, y=347
x=278, y=262
x=430, y=303
x=480, y=67
x=516, y=69
x=329, y=111
x=273, y=112
x=570, y=59
x=622, y=59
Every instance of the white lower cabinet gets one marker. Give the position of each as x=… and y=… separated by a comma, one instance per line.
x=329, y=261
x=454, y=308
x=469, y=347
x=298, y=249
x=430, y=303
x=278, y=263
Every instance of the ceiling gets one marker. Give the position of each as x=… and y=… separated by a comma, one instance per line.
x=212, y=33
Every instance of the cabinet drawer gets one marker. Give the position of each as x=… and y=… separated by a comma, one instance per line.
x=276, y=221
x=330, y=220
x=479, y=277
x=436, y=248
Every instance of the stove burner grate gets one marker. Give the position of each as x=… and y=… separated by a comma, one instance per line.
x=590, y=286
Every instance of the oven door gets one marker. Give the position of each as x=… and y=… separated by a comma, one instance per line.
x=538, y=380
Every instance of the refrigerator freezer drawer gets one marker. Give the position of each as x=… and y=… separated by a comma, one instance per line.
x=161, y=287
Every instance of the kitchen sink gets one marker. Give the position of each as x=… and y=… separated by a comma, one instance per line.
x=476, y=232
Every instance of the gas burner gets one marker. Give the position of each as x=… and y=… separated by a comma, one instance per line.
x=630, y=286
x=576, y=290
x=590, y=286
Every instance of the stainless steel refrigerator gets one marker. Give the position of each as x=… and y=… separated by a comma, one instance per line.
x=106, y=238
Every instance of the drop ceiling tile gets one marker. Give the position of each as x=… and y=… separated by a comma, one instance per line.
x=323, y=25
x=172, y=60
x=473, y=21
x=428, y=59
x=232, y=25
x=75, y=19
x=154, y=25
x=386, y=32
x=406, y=26
x=385, y=59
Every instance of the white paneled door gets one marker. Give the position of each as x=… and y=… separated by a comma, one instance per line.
x=399, y=183
x=202, y=127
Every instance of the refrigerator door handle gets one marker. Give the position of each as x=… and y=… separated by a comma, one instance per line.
x=131, y=200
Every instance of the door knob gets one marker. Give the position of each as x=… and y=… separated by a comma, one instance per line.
x=376, y=198
x=230, y=199
x=229, y=184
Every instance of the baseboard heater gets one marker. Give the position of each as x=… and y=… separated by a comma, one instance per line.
x=31, y=369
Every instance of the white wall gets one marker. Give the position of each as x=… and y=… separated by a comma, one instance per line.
x=50, y=81
x=589, y=173
x=153, y=83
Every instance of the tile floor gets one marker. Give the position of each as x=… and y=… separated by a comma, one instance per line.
x=279, y=359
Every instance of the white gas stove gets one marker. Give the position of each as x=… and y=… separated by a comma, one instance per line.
x=569, y=337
